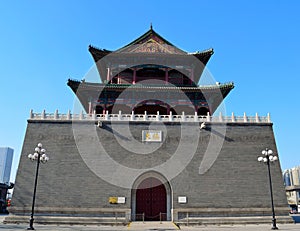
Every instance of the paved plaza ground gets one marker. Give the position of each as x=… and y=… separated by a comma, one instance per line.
x=291, y=227
x=164, y=226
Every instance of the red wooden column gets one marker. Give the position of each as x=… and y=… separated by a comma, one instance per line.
x=90, y=107
x=134, y=76
x=118, y=76
x=192, y=76
x=118, y=79
x=166, y=76
x=196, y=108
x=108, y=74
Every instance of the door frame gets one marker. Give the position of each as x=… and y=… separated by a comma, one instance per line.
x=164, y=182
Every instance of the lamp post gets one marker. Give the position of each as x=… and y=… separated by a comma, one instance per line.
x=268, y=157
x=40, y=156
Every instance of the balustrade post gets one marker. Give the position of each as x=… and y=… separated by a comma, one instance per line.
x=145, y=116
x=132, y=116
x=196, y=119
x=106, y=115
x=120, y=115
x=268, y=118
x=232, y=117
x=208, y=117
x=43, y=114
x=69, y=115
x=183, y=117
x=158, y=116
x=171, y=116
x=31, y=114
x=256, y=118
x=56, y=114
x=81, y=115
x=220, y=117
x=245, y=117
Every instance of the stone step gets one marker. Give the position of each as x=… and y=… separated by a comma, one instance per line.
x=152, y=225
x=66, y=220
x=233, y=220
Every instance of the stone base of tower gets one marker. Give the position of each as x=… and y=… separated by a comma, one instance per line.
x=232, y=189
x=223, y=216
x=182, y=218
x=70, y=216
x=67, y=220
x=196, y=221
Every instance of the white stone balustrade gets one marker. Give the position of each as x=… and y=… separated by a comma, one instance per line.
x=145, y=117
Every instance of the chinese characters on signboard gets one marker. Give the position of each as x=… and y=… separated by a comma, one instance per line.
x=151, y=136
x=117, y=200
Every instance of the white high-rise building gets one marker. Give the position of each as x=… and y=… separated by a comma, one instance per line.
x=292, y=176
x=292, y=186
x=6, y=157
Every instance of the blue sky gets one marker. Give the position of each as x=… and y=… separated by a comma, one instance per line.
x=256, y=43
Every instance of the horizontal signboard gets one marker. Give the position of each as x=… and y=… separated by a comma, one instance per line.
x=151, y=136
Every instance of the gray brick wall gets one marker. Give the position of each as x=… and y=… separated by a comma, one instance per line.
x=236, y=179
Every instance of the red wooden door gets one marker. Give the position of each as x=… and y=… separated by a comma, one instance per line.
x=151, y=199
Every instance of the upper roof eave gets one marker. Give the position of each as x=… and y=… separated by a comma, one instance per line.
x=98, y=54
x=76, y=83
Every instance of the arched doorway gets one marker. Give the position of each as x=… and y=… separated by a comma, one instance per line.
x=202, y=111
x=99, y=109
x=151, y=196
x=151, y=200
x=152, y=106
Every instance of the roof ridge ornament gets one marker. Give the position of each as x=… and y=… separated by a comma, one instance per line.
x=151, y=27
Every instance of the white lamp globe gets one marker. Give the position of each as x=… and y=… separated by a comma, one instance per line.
x=270, y=152
x=260, y=159
x=271, y=158
x=40, y=145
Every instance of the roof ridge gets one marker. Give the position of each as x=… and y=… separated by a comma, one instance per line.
x=150, y=32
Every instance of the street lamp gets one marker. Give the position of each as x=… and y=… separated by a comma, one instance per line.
x=40, y=156
x=268, y=157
